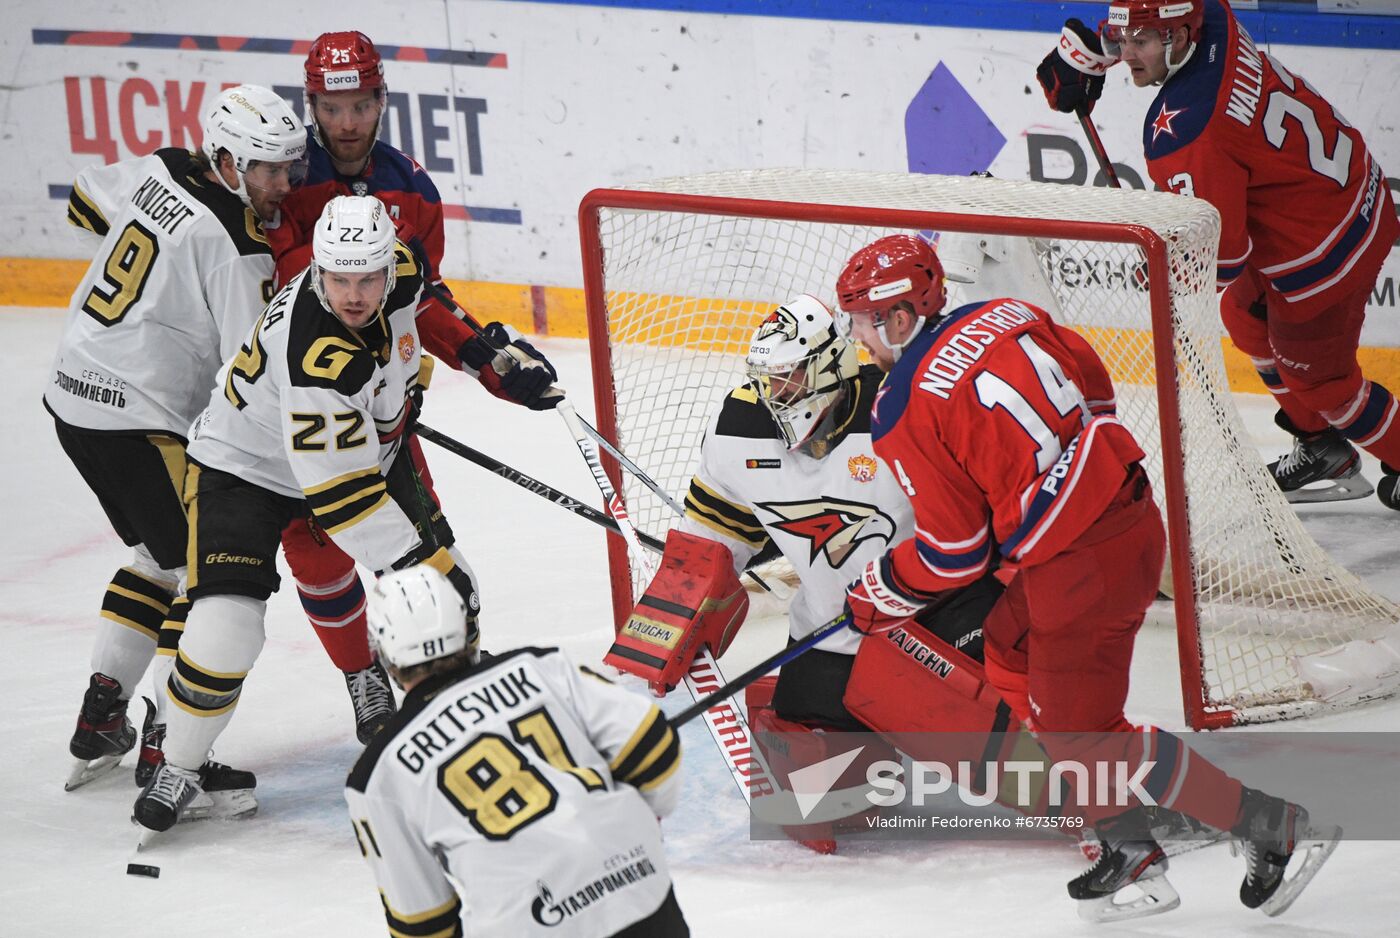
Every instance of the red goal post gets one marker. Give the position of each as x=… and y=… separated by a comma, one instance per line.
x=677, y=272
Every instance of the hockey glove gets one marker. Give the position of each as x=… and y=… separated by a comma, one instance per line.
x=510, y=367
x=1072, y=74
x=874, y=604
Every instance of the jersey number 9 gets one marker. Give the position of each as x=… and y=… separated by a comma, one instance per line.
x=127, y=269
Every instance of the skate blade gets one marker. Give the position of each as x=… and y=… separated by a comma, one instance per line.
x=232, y=805
x=1344, y=489
x=1315, y=852
x=1157, y=895
x=85, y=771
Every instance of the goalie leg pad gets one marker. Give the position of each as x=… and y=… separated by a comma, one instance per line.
x=694, y=600
x=789, y=747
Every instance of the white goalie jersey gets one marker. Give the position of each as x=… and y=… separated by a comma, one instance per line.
x=182, y=271
x=829, y=517
x=314, y=410
x=532, y=786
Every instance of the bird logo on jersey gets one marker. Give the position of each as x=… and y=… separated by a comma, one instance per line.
x=779, y=322
x=834, y=527
x=406, y=345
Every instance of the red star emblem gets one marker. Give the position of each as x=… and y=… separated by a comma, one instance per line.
x=1162, y=123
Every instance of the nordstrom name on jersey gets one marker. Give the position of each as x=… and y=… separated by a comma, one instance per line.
x=455, y=720
x=963, y=349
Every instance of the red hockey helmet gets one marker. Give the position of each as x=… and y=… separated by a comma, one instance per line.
x=343, y=62
x=1129, y=16
x=893, y=270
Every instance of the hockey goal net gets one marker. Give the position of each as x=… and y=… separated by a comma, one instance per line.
x=678, y=272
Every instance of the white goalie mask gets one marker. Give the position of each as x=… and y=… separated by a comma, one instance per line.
x=354, y=235
x=416, y=615
x=254, y=125
x=801, y=368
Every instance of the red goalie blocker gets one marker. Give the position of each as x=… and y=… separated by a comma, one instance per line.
x=694, y=600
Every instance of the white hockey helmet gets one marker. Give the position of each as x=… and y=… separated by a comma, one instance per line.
x=253, y=124
x=416, y=615
x=354, y=235
x=800, y=367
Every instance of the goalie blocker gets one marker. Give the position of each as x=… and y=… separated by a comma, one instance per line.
x=694, y=600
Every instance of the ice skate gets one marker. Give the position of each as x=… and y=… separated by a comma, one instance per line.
x=373, y=700
x=174, y=795
x=1129, y=878
x=1271, y=831
x=1323, y=467
x=103, y=735
x=152, y=743
x=1388, y=489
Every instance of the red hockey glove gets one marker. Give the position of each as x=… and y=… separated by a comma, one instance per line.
x=694, y=600
x=1072, y=74
x=874, y=604
x=510, y=367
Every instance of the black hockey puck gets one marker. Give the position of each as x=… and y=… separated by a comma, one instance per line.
x=143, y=869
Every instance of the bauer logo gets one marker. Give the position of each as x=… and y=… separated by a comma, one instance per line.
x=896, y=288
x=343, y=80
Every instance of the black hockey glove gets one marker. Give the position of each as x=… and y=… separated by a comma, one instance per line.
x=1072, y=74
x=510, y=367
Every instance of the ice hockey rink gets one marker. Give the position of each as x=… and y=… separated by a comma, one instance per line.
x=295, y=869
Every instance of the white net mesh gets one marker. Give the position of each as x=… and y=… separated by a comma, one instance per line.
x=684, y=291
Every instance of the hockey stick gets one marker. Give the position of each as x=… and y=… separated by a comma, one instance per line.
x=529, y=483
x=1096, y=144
x=728, y=727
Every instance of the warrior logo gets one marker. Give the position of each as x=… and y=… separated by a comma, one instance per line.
x=834, y=526
x=780, y=322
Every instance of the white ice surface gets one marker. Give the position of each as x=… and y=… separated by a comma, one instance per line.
x=295, y=870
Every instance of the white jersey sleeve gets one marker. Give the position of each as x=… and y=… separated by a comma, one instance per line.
x=535, y=786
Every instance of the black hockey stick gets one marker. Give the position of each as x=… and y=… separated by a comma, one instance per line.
x=763, y=667
x=1096, y=144
x=511, y=474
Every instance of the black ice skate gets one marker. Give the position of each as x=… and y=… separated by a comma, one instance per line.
x=1323, y=467
x=1271, y=831
x=174, y=795
x=373, y=700
x=103, y=734
x=1129, y=878
x=152, y=744
x=1388, y=489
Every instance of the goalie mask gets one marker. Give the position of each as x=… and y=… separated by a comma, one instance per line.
x=896, y=271
x=354, y=235
x=416, y=615
x=254, y=125
x=1129, y=17
x=800, y=369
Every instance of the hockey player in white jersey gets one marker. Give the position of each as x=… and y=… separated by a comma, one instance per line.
x=180, y=273
x=787, y=461
x=534, y=785
x=310, y=415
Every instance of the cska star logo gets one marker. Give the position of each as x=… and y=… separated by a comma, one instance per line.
x=834, y=526
x=780, y=322
x=405, y=347
x=1162, y=123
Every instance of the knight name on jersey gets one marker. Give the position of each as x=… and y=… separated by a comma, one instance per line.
x=161, y=205
x=962, y=350
x=511, y=690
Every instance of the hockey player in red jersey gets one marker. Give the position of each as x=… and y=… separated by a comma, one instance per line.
x=1307, y=218
x=1000, y=426
x=345, y=99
